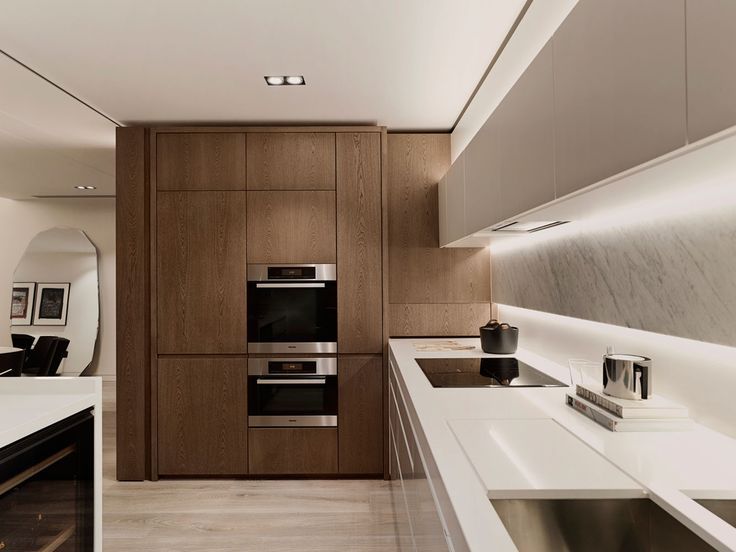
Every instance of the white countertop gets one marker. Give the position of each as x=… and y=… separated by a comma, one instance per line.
x=669, y=466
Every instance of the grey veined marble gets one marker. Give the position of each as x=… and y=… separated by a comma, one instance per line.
x=670, y=276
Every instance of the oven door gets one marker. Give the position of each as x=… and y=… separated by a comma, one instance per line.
x=292, y=392
x=288, y=314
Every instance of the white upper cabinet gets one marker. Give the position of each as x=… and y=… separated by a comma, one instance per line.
x=482, y=177
x=454, y=202
x=711, y=58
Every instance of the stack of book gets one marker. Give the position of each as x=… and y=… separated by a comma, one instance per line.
x=653, y=414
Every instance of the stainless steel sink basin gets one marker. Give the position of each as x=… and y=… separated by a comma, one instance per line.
x=594, y=525
x=724, y=509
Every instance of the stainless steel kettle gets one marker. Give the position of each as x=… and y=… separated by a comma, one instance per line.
x=627, y=376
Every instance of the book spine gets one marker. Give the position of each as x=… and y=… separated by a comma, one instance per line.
x=590, y=413
x=604, y=403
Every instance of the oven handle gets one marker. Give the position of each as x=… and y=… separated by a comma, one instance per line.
x=289, y=381
x=294, y=285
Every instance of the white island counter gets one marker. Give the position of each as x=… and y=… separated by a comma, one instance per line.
x=473, y=445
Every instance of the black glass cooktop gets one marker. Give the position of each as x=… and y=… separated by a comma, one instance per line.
x=484, y=372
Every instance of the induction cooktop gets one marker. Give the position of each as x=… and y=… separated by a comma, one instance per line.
x=484, y=372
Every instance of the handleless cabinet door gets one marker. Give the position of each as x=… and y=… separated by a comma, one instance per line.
x=200, y=161
x=360, y=416
x=291, y=161
x=291, y=227
x=619, y=70
x=711, y=58
x=524, y=123
x=201, y=272
x=482, y=178
x=202, y=416
x=455, y=200
x=359, y=280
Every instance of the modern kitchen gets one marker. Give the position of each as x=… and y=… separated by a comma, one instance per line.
x=353, y=276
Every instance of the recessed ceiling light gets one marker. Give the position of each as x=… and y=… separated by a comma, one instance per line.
x=289, y=80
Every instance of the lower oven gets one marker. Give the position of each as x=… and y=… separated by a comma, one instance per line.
x=47, y=488
x=292, y=392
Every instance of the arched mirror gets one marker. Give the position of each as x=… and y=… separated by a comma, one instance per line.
x=55, y=306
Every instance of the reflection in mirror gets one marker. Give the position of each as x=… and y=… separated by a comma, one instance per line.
x=55, y=303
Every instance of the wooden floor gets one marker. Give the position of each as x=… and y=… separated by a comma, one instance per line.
x=216, y=515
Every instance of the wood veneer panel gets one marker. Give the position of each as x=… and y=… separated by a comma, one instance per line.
x=291, y=227
x=360, y=416
x=132, y=303
x=359, y=285
x=457, y=319
x=203, y=421
x=200, y=161
x=292, y=451
x=419, y=271
x=201, y=272
x=291, y=161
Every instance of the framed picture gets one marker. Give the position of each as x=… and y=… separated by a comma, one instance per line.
x=21, y=303
x=52, y=301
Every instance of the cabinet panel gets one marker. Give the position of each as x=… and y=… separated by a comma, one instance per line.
x=202, y=416
x=525, y=153
x=201, y=272
x=482, y=178
x=455, y=200
x=291, y=161
x=619, y=72
x=360, y=416
x=711, y=57
x=291, y=227
x=437, y=319
x=359, y=281
x=292, y=451
x=200, y=161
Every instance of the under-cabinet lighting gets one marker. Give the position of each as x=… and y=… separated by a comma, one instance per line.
x=285, y=80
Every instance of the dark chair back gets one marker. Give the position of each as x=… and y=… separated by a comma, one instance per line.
x=41, y=356
x=60, y=352
x=22, y=341
x=11, y=364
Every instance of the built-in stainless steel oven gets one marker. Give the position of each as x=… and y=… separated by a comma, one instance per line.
x=292, y=308
x=292, y=392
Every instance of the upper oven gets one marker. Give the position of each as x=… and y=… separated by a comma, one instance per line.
x=292, y=308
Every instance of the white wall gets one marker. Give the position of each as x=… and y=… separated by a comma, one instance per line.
x=20, y=221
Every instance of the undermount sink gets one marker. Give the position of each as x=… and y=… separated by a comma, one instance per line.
x=615, y=525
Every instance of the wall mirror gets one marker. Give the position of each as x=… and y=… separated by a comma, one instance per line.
x=56, y=295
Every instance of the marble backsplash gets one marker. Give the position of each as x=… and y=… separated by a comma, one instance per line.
x=674, y=276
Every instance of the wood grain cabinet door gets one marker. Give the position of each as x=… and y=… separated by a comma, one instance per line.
x=711, y=57
x=291, y=161
x=291, y=227
x=619, y=78
x=201, y=272
x=200, y=161
x=360, y=414
x=292, y=451
x=202, y=416
x=359, y=281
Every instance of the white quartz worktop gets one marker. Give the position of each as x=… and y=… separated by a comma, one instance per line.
x=668, y=466
x=28, y=405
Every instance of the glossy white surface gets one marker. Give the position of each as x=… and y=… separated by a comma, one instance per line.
x=28, y=405
x=663, y=463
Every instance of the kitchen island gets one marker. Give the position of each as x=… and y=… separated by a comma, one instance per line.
x=51, y=425
x=455, y=450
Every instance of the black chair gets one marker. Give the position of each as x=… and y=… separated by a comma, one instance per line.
x=23, y=341
x=60, y=352
x=11, y=364
x=41, y=356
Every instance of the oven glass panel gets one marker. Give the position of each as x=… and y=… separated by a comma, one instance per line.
x=292, y=314
x=282, y=399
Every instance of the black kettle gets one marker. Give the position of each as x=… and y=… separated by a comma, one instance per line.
x=499, y=338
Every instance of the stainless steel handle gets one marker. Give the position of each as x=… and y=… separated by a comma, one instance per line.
x=289, y=381
x=294, y=285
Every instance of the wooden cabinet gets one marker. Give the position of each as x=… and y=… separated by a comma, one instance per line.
x=200, y=161
x=619, y=73
x=360, y=415
x=202, y=416
x=292, y=451
x=201, y=272
x=291, y=227
x=291, y=161
x=711, y=57
x=454, y=198
x=359, y=249
x=525, y=149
